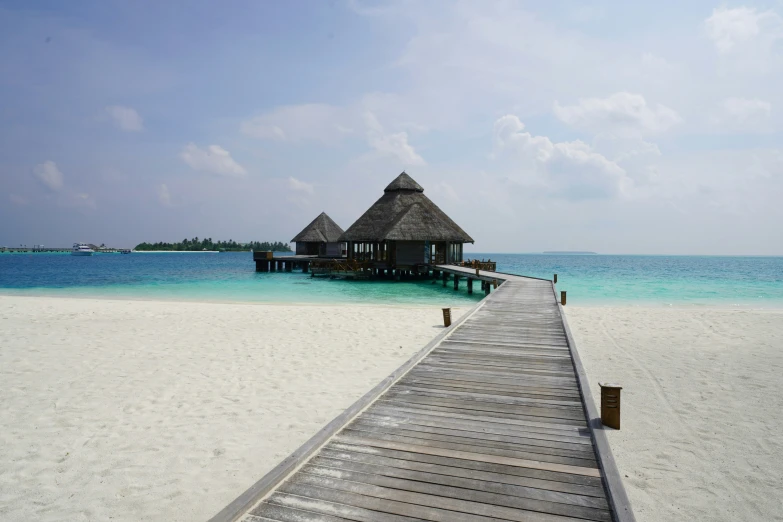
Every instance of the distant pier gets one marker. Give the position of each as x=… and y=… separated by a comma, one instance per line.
x=467, y=271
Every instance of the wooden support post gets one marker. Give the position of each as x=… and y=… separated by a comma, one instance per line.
x=305, y=267
x=447, y=317
x=272, y=266
x=610, y=405
x=445, y=278
x=288, y=266
x=456, y=282
x=495, y=283
x=563, y=297
x=470, y=285
x=555, y=279
x=486, y=288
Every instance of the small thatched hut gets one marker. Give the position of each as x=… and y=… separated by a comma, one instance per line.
x=320, y=238
x=404, y=229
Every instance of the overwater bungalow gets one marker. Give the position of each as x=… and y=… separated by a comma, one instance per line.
x=320, y=238
x=405, y=230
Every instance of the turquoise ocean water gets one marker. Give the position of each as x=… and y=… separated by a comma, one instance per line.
x=230, y=277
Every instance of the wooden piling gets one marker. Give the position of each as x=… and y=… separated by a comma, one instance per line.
x=470, y=285
x=554, y=280
x=610, y=405
x=447, y=317
x=456, y=282
x=563, y=297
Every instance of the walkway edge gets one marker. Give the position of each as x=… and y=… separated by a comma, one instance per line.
x=613, y=484
x=257, y=491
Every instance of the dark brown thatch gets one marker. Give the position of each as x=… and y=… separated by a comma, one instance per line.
x=322, y=230
x=404, y=213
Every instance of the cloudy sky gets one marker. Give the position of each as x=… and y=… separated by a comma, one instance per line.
x=620, y=128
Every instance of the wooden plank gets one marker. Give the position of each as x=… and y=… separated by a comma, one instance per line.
x=270, y=511
x=410, y=500
x=567, y=480
x=488, y=406
x=539, y=425
x=470, y=455
x=539, y=488
x=456, y=488
x=435, y=391
x=481, y=412
x=494, y=389
x=441, y=475
x=479, y=426
x=487, y=440
x=359, y=506
x=484, y=448
x=440, y=373
x=476, y=430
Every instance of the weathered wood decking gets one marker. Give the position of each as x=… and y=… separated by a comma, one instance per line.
x=491, y=422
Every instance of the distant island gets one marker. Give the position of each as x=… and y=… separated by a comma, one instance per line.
x=571, y=252
x=198, y=245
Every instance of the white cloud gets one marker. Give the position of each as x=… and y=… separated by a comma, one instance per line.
x=48, y=174
x=125, y=118
x=731, y=28
x=214, y=159
x=300, y=186
x=620, y=111
x=393, y=145
x=78, y=200
x=447, y=191
x=743, y=111
x=314, y=121
x=331, y=124
x=164, y=197
x=569, y=169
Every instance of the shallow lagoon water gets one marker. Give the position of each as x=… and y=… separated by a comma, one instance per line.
x=230, y=277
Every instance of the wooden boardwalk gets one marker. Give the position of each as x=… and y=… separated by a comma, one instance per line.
x=488, y=423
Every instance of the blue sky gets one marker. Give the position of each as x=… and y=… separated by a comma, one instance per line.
x=616, y=127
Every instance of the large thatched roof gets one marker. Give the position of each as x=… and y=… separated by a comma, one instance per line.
x=322, y=230
x=404, y=213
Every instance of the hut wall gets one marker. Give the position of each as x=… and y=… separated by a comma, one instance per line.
x=411, y=253
x=307, y=249
x=335, y=249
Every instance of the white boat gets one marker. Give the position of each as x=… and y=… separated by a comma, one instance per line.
x=80, y=249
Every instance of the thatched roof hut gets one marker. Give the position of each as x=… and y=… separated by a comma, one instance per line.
x=320, y=237
x=404, y=227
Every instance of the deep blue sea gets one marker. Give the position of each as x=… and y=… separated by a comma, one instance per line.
x=230, y=277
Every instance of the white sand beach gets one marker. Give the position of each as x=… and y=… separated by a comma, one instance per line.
x=136, y=410
x=702, y=408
